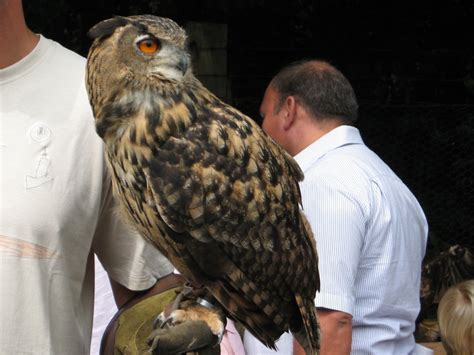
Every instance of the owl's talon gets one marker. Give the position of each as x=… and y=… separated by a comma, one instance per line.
x=167, y=322
x=162, y=321
x=165, y=317
x=190, y=311
x=192, y=335
x=194, y=311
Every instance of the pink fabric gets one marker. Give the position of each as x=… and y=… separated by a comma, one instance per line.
x=231, y=343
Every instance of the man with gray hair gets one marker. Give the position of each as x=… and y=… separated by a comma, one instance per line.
x=370, y=230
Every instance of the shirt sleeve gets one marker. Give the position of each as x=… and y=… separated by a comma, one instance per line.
x=338, y=224
x=126, y=256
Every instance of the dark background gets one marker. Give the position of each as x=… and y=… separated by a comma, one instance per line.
x=411, y=64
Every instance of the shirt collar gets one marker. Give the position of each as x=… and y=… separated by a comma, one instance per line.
x=27, y=63
x=338, y=137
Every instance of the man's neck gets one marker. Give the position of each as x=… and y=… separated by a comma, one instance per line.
x=309, y=132
x=16, y=39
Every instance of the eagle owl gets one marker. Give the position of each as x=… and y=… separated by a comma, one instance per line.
x=202, y=181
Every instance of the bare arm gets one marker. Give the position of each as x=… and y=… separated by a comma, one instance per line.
x=122, y=294
x=336, y=333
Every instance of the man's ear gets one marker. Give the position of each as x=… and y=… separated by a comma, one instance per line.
x=290, y=112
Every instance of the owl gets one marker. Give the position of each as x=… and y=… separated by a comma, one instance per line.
x=201, y=181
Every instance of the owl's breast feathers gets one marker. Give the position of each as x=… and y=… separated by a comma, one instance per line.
x=220, y=199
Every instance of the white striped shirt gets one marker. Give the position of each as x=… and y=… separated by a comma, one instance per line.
x=371, y=237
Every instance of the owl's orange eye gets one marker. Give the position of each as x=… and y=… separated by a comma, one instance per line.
x=149, y=45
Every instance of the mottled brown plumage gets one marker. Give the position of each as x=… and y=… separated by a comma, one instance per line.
x=202, y=181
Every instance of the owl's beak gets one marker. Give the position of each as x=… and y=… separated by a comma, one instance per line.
x=183, y=64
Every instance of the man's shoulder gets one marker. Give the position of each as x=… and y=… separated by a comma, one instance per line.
x=356, y=160
x=66, y=56
x=343, y=163
x=351, y=171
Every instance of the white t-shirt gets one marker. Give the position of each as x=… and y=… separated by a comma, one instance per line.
x=56, y=209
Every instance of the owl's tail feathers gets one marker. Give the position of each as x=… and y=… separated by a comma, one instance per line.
x=242, y=308
x=308, y=336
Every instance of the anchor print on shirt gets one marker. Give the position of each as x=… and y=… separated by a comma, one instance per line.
x=41, y=134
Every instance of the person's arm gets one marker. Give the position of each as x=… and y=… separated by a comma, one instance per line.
x=336, y=333
x=336, y=336
x=297, y=348
x=122, y=294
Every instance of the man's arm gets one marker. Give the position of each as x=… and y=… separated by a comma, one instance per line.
x=122, y=294
x=336, y=333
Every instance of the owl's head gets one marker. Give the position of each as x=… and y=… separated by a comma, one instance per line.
x=140, y=47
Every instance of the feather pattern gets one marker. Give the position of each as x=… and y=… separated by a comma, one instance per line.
x=206, y=186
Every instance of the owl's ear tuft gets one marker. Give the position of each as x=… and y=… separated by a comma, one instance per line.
x=107, y=27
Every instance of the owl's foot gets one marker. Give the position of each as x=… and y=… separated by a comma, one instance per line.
x=190, y=336
x=195, y=311
x=191, y=325
x=165, y=317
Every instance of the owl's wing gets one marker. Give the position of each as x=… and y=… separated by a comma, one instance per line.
x=235, y=193
x=225, y=180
